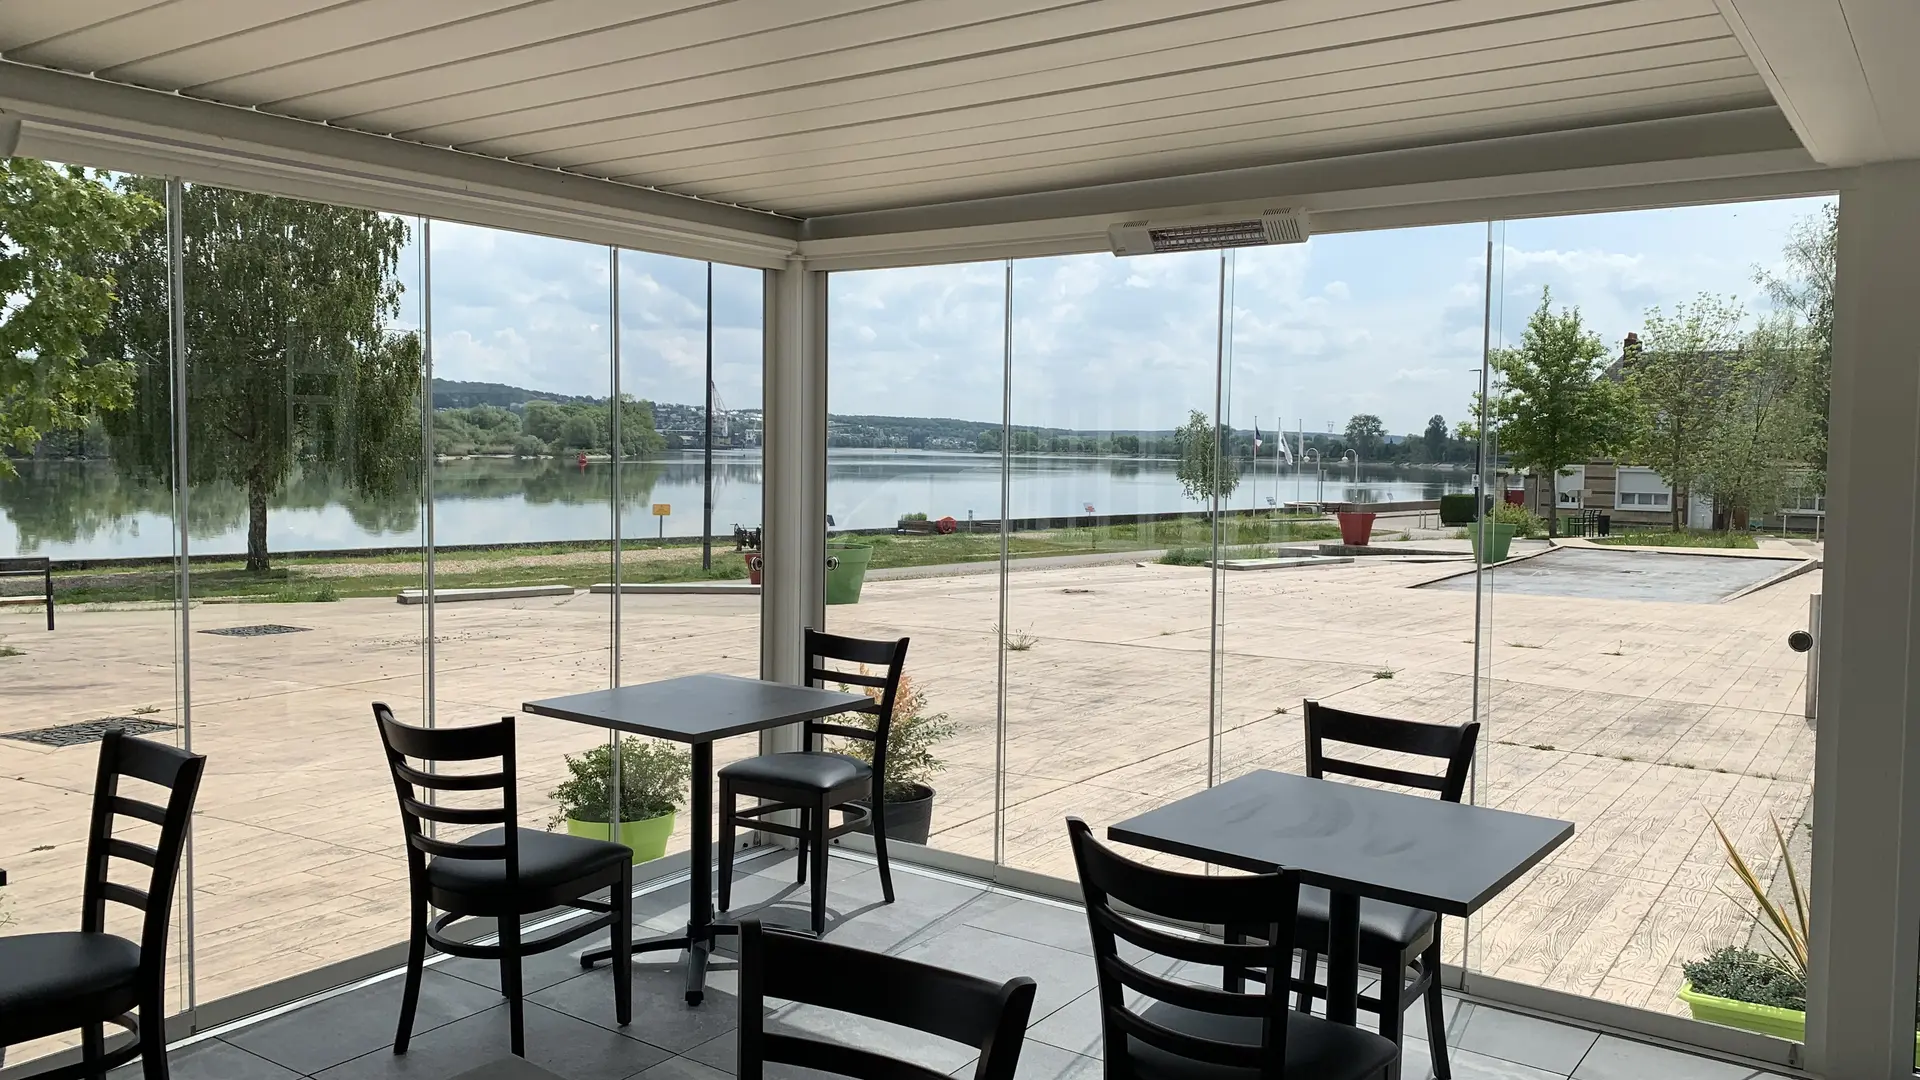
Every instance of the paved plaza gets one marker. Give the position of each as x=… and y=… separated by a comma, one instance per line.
x=1636, y=719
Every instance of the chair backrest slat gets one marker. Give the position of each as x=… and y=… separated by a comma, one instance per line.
x=889, y=656
x=179, y=773
x=1452, y=743
x=412, y=786
x=990, y=1017
x=1108, y=879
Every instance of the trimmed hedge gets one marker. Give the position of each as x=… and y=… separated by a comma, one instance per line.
x=1456, y=509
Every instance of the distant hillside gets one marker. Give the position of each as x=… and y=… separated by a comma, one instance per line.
x=455, y=394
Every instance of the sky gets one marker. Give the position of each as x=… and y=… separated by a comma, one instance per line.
x=1388, y=323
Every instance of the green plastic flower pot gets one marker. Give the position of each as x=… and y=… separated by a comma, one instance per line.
x=846, y=571
x=1499, y=537
x=646, y=838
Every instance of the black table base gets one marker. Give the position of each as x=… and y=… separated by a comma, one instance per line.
x=701, y=929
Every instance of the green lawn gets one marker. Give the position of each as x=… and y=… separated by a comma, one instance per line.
x=312, y=578
x=1680, y=539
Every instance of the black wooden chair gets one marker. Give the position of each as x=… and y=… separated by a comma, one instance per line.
x=1394, y=939
x=989, y=1017
x=50, y=983
x=502, y=873
x=1192, y=1032
x=815, y=783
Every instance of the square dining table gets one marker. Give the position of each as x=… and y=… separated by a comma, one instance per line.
x=695, y=709
x=1354, y=842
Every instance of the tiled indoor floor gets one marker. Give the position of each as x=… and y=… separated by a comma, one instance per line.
x=937, y=919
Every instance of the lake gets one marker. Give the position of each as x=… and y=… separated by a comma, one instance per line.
x=74, y=510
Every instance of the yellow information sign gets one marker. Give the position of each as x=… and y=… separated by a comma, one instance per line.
x=662, y=509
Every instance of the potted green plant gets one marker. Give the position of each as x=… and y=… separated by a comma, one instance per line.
x=653, y=781
x=911, y=761
x=1752, y=990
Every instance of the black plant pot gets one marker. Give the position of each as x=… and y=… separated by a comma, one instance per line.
x=909, y=820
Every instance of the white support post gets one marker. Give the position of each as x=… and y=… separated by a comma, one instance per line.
x=793, y=539
x=1866, y=844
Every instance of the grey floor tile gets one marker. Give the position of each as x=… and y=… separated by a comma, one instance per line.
x=1074, y=1027
x=1619, y=1059
x=1060, y=975
x=1038, y=1061
x=680, y=1068
x=537, y=972
x=661, y=1014
x=572, y=1048
x=906, y=1044
x=329, y=1032
x=722, y=1054
x=211, y=1059
x=1062, y=928
x=1542, y=1044
x=1468, y=1065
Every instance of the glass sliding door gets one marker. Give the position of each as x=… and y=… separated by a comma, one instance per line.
x=1642, y=685
x=915, y=404
x=305, y=463
x=1113, y=478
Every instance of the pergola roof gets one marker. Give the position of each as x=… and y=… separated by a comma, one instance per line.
x=857, y=115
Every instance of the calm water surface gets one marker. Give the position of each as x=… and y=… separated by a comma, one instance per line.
x=88, y=510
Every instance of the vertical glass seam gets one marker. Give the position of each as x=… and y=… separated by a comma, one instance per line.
x=1214, y=658
x=428, y=466
x=616, y=453
x=183, y=588
x=1006, y=515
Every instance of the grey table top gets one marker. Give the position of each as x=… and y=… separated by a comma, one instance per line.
x=1384, y=845
x=697, y=708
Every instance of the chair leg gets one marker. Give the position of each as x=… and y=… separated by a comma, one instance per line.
x=726, y=845
x=1393, y=1008
x=817, y=828
x=416, y=963
x=622, y=900
x=1309, y=968
x=93, y=1047
x=806, y=830
x=1436, y=1010
x=879, y=826
x=153, y=1034
x=1234, y=979
x=510, y=983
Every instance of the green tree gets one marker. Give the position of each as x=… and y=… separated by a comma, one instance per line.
x=1129, y=445
x=1203, y=471
x=987, y=442
x=290, y=368
x=1436, y=438
x=1557, y=407
x=61, y=232
x=638, y=437
x=1364, y=434
x=543, y=420
x=1676, y=379
x=1764, y=420
x=1807, y=291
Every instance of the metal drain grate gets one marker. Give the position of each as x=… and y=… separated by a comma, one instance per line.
x=87, y=731
x=258, y=630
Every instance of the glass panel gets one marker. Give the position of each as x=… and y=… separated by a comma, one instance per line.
x=1643, y=686
x=1114, y=388
x=915, y=397
x=522, y=489
x=304, y=463
x=87, y=484
x=686, y=606
x=1354, y=362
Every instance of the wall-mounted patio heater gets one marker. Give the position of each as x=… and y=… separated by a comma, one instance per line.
x=1280, y=225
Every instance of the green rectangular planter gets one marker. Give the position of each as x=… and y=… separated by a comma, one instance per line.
x=646, y=838
x=1781, y=1023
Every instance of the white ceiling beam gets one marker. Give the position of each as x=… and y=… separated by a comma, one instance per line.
x=1842, y=71
x=1747, y=154
x=86, y=121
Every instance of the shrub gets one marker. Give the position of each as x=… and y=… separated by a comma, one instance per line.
x=1456, y=509
x=653, y=780
x=1186, y=556
x=913, y=517
x=1749, y=976
x=911, y=762
x=1524, y=521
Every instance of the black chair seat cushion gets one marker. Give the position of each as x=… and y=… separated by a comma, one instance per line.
x=1382, y=925
x=51, y=983
x=1317, y=1049
x=547, y=860
x=806, y=771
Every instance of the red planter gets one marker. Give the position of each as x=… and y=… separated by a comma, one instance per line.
x=1516, y=497
x=753, y=566
x=1355, y=528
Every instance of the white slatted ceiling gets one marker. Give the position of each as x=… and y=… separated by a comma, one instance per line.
x=837, y=105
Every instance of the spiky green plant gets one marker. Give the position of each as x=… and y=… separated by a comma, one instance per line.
x=1790, y=930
